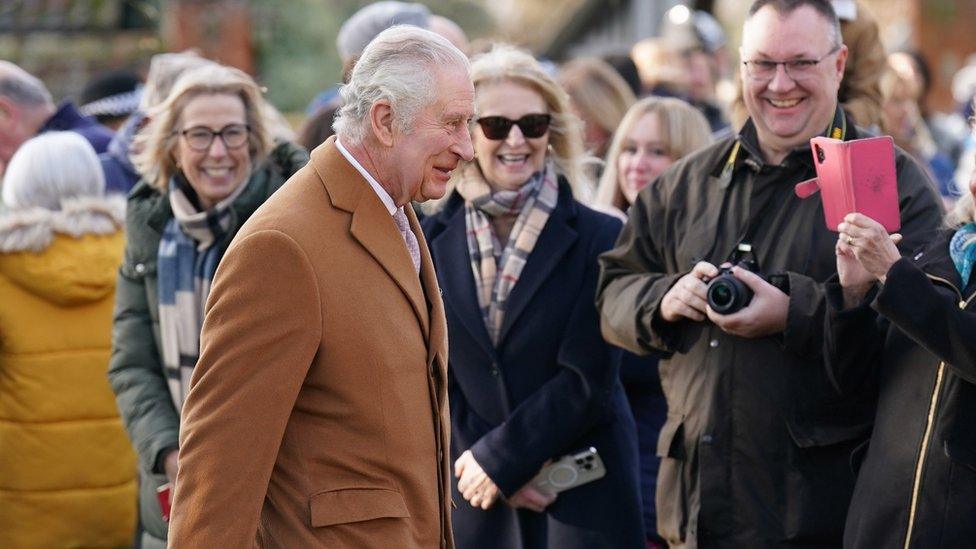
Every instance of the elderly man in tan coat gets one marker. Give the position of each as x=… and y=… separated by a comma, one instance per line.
x=317, y=414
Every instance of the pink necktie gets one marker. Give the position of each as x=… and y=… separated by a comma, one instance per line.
x=410, y=239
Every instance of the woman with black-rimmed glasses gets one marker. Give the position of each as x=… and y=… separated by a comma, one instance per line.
x=531, y=379
x=207, y=162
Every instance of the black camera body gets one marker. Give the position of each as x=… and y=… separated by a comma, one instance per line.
x=726, y=294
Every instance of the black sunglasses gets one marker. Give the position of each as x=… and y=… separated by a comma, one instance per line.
x=531, y=125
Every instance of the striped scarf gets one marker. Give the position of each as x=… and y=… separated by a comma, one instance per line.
x=962, y=250
x=533, y=202
x=189, y=251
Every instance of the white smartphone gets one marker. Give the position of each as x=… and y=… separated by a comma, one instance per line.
x=570, y=471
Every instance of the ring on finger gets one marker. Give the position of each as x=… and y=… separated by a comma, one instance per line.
x=850, y=240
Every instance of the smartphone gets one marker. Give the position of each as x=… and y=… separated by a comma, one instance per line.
x=163, y=494
x=570, y=471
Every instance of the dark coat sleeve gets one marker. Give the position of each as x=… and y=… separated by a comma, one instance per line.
x=633, y=281
x=136, y=371
x=921, y=216
x=932, y=318
x=571, y=403
x=853, y=339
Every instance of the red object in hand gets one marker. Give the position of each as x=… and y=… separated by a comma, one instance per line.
x=163, y=494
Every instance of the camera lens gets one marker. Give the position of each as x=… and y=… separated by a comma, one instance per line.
x=727, y=294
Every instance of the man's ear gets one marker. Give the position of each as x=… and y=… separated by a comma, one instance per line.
x=381, y=120
x=841, y=60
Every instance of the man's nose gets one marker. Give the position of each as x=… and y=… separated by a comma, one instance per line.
x=782, y=81
x=463, y=147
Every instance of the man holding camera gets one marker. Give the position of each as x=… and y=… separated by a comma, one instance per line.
x=756, y=448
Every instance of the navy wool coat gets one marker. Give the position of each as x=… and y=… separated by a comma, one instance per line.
x=549, y=388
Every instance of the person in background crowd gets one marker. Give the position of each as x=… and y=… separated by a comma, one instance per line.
x=68, y=472
x=207, y=163
x=755, y=450
x=599, y=97
x=699, y=42
x=318, y=127
x=901, y=118
x=27, y=109
x=904, y=329
x=625, y=67
x=659, y=67
x=530, y=378
x=111, y=97
x=655, y=133
x=860, y=94
x=164, y=68
x=330, y=406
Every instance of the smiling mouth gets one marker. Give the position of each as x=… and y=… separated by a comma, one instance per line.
x=512, y=159
x=216, y=172
x=784, y=103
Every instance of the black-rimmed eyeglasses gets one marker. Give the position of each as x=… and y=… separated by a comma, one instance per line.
x=797, y=69
x=199, y=138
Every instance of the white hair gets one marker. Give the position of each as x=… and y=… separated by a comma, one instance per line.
x=50, y=168
x=398, y=66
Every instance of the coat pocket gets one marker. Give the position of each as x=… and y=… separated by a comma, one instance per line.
x=348, y=505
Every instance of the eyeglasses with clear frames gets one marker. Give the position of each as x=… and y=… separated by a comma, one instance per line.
x=798, y=69
x=199, y=138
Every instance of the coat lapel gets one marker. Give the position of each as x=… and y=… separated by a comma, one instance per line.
x=372, y=226
x=555, y=241
x=454, y=270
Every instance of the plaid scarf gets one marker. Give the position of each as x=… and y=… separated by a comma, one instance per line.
x=189, y=251
x=533, y=202
x=963, y=252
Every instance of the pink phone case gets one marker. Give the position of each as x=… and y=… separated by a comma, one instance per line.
x=855, y=176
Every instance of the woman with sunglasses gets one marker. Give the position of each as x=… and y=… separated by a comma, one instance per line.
x=207, y=162
x=531, y=379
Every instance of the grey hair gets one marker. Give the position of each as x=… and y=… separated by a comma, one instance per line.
x=51, y=168
x=22, y=87
x=398, y=66
x=364, y=25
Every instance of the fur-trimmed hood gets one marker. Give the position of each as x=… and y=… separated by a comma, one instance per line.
x=68, y=256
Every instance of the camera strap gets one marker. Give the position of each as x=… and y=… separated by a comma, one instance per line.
x=836, y=130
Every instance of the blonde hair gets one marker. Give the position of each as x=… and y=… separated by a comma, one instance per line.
x=157, y=141
x=683, y=129
x=506, y=63
x=598, y=91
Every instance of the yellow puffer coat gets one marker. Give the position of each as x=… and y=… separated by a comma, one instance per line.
x=67, y=469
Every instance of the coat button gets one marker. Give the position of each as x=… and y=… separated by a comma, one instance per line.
x=140, y=268
x=962, y=304
x=706, y=439
x=713, y=343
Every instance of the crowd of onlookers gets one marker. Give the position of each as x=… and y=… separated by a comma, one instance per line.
x=116, y=213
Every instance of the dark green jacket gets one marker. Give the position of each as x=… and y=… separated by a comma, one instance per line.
x=755, y=448
x=136, y=367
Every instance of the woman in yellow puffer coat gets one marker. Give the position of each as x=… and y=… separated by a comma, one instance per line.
x=67, y=470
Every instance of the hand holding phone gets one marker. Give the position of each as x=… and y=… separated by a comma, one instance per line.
x=570, y=471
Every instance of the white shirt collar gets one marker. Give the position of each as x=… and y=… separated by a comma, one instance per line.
x=379, y=190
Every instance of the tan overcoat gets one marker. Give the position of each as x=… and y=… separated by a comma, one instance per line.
x=317, y=415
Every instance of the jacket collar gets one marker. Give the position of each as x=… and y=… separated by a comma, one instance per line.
x=747, y=151
x=66, y=117
x=934, y=260
x=373, y=227
x=449, y=242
